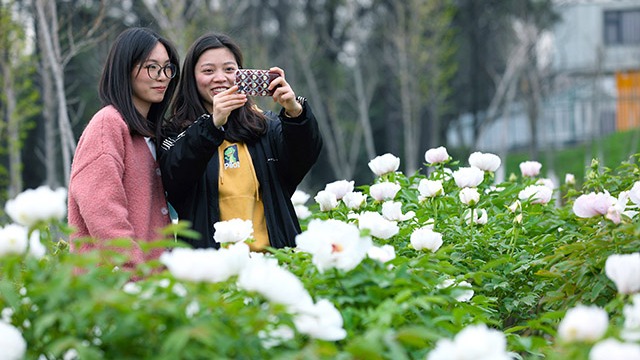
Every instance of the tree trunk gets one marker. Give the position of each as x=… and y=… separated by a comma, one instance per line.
x=47, y=27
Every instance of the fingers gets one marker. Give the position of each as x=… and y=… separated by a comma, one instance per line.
x=227, y=101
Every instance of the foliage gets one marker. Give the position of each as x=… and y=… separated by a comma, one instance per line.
x=527, y=266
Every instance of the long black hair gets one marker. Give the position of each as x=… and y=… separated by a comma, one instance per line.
x=244, y=124
x=131, y=48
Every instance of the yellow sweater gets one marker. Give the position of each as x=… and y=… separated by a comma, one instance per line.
x=239, y=191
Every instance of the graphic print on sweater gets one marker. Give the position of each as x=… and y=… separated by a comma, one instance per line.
x=231, y=158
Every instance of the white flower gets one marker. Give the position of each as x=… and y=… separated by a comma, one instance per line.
x=377, y=225
x=275, y=337
x=13, y=240
x=340, y=188
x=322, y=321
x=275, y=283
x=354, y=199
x=475, y=342
x=612, y=349
x=383, y=254
x=384, y=191
x=537, y=194
x=583, y=323
x=516, y=205
x=302, y=211
x=299, y=197
x=192, y=309
x=615, y=211
x=392, y=211
x=634, y=193
x=462, y=291
x=384, y=164
x=333, y=244
x=468, y=177
x=485, y=162
x=624, y=271
x=426, y=238
x=326, y=199
x=469, y=196
x=546, y=182
x=480, y=216
x=232, y=231
x=436, y=155
x=631, y=329
x=569, y=179
x=42, y=204
x=530, y=168
x=208, y=265
x=11, y=342
x=593, y=204
x=131, y=288
x=429, y=188
x=71, y=354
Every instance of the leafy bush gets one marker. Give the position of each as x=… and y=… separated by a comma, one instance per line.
x=497, y=270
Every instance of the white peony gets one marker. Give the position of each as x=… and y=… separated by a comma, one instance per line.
x=436, y=155
x=340, y=188
x=299, y=197
x=392, y=211
x=232, y=231
x=475, y=342
x=333, y=244
x=12, y=344
x=612, y=349
x=583, y=323
x=631, y=329
x=384, y=191
x=207, y=265
x=469, y=196
x=468, y=177
x=426, y=238
x=327, y=200
x=322, y=321
x=382, y=253
x=530, y=168
x=384, y=164
x=377, y=225
x=485, y=161
x=624, y=271
x=429, y=188
x=35, y=205
x=277, y=284
x=354, y=200
x=537, y=194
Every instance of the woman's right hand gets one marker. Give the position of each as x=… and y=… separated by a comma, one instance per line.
x=224, y=103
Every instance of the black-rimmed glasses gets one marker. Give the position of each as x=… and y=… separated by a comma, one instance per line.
x=154, y=70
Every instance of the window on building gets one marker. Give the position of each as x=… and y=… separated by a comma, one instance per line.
x=622, y=27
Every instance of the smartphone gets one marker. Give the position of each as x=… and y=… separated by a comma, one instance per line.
x=255, y=82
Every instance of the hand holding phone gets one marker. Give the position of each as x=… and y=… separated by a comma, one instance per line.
x=255, y=82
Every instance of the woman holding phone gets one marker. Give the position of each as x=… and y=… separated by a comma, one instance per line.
x=115, y=190
x=223, y=158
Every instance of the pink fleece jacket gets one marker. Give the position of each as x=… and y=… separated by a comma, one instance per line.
x=115, y=190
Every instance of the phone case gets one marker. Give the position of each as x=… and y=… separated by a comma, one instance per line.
x=255, y=82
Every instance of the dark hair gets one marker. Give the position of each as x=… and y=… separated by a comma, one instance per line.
x=245, y=124
x=131, y=48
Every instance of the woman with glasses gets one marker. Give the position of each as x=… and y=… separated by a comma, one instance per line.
x=225, y=159
x=115, y=190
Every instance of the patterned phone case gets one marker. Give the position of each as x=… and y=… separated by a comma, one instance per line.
x=254, y=82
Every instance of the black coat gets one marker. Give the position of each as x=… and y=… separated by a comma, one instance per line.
x=281, y=158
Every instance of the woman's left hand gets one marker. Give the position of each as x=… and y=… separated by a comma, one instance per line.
x=284, y=94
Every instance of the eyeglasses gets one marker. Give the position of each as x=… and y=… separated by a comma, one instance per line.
x=154, y=70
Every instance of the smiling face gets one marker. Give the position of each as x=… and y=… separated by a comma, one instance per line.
x=214, y=72
x=147, y=91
